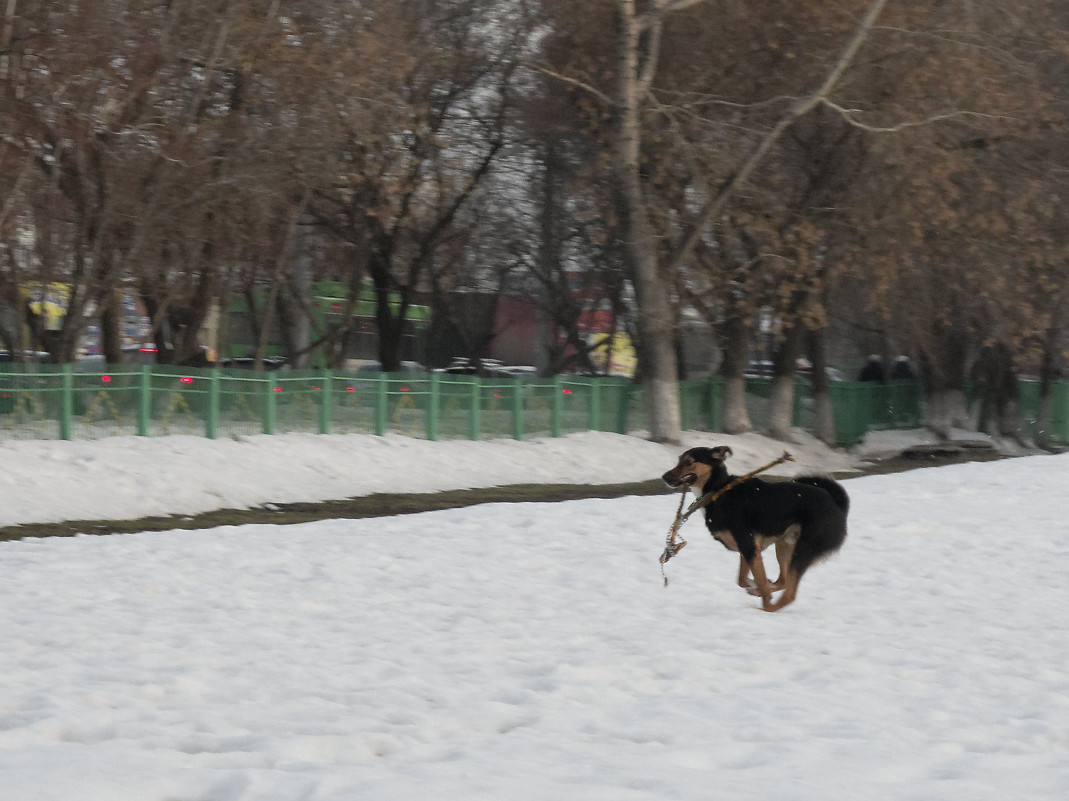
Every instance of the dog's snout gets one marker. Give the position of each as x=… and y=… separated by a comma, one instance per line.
x=676, y=477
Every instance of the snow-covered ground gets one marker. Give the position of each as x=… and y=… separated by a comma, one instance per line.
x=524, y=651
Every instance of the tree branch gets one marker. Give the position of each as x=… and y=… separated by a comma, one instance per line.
x=715, y=205
x=848, y=117
x=604, y=98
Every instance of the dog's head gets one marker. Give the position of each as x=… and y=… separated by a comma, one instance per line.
x=696, y=466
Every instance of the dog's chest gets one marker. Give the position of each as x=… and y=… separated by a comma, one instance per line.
x=725, y=537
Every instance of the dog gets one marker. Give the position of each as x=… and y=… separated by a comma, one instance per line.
x=805, y=518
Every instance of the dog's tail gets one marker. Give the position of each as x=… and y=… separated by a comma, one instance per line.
x=830, y=486
x=824, y=534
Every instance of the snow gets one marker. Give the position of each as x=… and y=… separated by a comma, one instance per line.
x=521, y=651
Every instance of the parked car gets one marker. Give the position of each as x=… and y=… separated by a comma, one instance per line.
x=376, y=367
x=487, y=368
x=33, y=356
x=247, y=362
x=765, y=369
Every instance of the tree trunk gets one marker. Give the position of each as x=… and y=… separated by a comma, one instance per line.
x=1000, y=408
x=656, y=323
x=944, y=368
x=110, y=324
x=947, y=410
x=781, y=401
x=735, y=342
x=824, y=415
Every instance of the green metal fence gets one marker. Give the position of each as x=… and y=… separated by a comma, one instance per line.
x=1059, y=411
x=48, y=402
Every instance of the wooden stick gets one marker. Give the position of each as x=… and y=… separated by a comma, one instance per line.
x=709, y=497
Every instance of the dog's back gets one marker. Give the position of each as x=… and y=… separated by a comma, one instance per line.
x=830, y=486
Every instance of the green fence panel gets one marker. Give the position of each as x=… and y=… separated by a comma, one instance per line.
x=624, y=394
x=802, y=414
x=41, y=401
x=173, y=400
x=594, y=406
x=1059, y=413
x=852, y=407
x=896, y=404
x=242, y=402
x=105, y=401
x=458, y=405
x=299, y=402
x=714, y=394
x=578, y=403
x=1029, y=395
x=353, y=402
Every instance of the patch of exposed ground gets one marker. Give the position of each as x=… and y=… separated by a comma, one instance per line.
x=384, y=505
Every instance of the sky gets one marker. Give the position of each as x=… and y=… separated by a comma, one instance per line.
x=524, y=651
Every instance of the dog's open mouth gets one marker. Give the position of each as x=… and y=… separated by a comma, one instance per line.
x=684, y=480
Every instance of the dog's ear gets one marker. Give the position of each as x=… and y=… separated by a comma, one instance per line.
x=720, y=452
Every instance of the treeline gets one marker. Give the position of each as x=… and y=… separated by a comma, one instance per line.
x=898, y=169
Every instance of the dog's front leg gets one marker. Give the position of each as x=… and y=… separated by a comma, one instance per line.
x=750, y=550
x=744, y=576
x=764, y=589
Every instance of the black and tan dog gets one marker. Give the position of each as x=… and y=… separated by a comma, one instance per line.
x=805, y=518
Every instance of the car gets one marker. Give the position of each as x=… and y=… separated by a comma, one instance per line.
x=486, y=368
x=31, y=356
x=803, y=369
x=376, y=367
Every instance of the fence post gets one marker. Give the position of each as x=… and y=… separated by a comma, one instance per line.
x=594, y=417
x=211, y=420
x=517, y=408
x=623, y=402
x=557, y=407
x=382, y=397
x=326, y=399
x=270, y=385
x=144, y=400
x=476, y=407
x=433, y=407
x=66, y=402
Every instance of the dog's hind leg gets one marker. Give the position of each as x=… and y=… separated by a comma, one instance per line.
x=784, y=552
x=790, y=590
